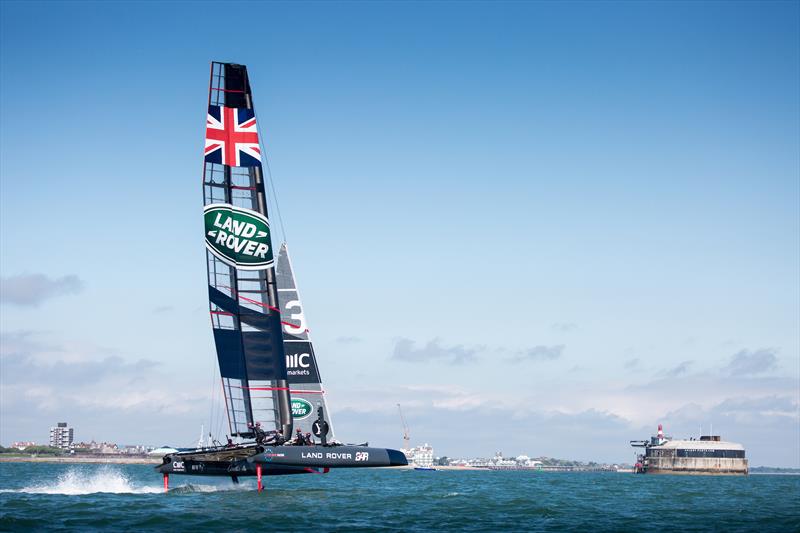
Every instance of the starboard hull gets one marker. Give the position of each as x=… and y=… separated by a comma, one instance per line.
x=331, y=456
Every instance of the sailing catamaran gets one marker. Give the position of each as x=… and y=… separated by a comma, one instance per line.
x=270, y=378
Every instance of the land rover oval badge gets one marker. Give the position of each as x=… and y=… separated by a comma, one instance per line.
x=238, y=236
x=300, y=408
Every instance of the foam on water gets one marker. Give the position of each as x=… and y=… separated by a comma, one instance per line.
x=195, y=488
x=76, y=482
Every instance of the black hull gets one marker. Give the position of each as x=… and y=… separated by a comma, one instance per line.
x=277, y=460
x=331, y=456
x=221, y=468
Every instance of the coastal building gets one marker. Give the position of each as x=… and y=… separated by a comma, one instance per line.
x=61, y=436
x=21, y=445
x=526, y=462
x=708, y=455
x=421, y=456
x=521, y=462
x=136, y=449
x=96, y=447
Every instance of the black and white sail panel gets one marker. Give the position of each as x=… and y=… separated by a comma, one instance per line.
x=242, y=290
x=302, y=370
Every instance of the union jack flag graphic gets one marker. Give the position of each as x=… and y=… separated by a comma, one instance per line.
x=232, y=137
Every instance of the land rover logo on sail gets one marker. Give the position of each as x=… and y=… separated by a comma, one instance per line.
x=300, y=408
x=238, y=236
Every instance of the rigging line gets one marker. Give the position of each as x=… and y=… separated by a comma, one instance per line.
x=271, y=178
x=275, y=196
x=214, y=370
x=216, y=413
x=249, y=300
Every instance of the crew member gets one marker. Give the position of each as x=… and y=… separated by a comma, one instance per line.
x=261, y=435
x=298, y=438
x=309, y=439
x=274, y=437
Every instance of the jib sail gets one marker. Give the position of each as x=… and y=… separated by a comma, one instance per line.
x=304, y=378
x=243, y=296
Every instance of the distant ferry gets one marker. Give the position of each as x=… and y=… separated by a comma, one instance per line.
x=709, y=455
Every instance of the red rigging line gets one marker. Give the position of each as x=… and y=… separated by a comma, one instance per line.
x=234, y=292
x=256, y=302
x=298, y=391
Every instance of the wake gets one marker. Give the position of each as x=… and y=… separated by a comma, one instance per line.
x=77, y=483
x=108, y=480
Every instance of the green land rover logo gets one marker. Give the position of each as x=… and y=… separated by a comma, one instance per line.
x=238, y=236
x=300, y=408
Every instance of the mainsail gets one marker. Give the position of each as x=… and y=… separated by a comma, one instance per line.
x=243, y=296
x=302, y=370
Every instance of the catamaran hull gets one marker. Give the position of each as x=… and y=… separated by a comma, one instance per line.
x=283, y=460
x=220, y=468
x=330, y=457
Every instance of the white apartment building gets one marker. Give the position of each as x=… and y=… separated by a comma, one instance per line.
x=61, y=436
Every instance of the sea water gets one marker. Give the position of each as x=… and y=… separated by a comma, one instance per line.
x=80, y=497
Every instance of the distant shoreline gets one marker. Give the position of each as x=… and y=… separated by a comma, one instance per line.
x=87, y=460
x=144, y=460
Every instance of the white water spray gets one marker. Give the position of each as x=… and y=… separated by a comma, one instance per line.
x=75, y=482
x=109, y=480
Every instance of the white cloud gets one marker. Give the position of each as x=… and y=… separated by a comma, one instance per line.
x=30, y=290
x=406, y=350
x=104, y=396
x=540, y=353
x=746, y=362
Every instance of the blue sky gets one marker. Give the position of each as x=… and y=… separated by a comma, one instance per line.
x=566, y=221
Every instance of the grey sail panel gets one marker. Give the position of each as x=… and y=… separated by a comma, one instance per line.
x=243, y=299
x=305, y=380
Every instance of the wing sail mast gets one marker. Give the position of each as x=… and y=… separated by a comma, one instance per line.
x=243, y=296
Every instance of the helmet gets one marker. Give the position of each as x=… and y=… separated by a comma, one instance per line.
x=299, y=430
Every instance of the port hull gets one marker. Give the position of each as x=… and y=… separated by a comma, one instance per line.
x=241, y=468
x=277, y=460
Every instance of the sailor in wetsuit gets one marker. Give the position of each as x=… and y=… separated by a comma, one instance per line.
x=274, y=438
x=261, y=435
x=298, y=438
x=309, y=440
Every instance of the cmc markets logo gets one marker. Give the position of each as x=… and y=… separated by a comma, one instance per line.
x=297, y=364
x=300, y=408
x=238, y=236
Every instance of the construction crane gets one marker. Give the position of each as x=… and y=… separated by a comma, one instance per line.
x=406, y=438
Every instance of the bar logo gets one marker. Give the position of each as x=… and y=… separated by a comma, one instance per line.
x=238, y=236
